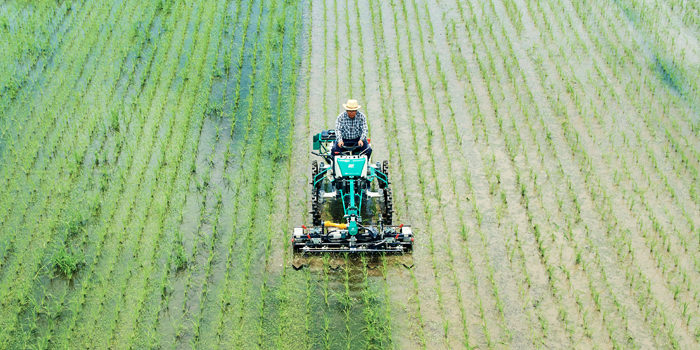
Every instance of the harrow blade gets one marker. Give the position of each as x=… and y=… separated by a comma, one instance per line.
x=340, y=261
x=346, y=249
x=319, y=239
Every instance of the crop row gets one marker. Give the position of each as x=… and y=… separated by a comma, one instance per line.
x=106, y=257
x=575, y=141
x=30, y=39
x=649, y=213
x=63, y=199
x=511, y=146
x=17, y=173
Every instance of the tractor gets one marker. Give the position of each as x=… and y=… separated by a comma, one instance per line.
x=360, y=193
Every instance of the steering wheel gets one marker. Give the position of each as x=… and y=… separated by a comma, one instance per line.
x=349, y=149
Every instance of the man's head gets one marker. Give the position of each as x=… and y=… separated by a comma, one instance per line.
x=351, y=108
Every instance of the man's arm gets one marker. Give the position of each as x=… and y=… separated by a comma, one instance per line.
x=338, y=135
x=364, y=128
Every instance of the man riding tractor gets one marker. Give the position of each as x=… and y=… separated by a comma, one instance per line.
x=351, y=131
x=346, y=179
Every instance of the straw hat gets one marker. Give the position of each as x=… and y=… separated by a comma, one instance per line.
x=351, y=105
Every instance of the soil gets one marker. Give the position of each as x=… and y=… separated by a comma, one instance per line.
x=544, y=153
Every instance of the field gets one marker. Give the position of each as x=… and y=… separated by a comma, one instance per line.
x=156, y=155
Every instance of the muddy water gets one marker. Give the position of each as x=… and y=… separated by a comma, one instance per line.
x=481, y=269
x=545, y=153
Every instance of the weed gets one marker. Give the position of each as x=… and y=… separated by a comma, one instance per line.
x=66, y=262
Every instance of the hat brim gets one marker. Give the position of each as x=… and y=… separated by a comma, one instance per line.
x=351, y=109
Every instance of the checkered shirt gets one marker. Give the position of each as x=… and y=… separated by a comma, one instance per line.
x=349, y=129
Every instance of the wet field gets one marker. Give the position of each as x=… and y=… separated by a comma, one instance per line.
x=155, y=157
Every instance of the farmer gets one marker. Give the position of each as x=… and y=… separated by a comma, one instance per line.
x=351, y=130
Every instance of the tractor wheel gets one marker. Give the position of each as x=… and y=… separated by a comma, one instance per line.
x=315, y=199
x=314, y=171
x=388, y=213
x=385, y=170
x=315, y=209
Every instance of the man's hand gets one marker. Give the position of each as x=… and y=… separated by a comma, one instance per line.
x=340, y=143
x=360, y=143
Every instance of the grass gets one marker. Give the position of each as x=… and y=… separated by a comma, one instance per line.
x=66, y=262
x=544, y=154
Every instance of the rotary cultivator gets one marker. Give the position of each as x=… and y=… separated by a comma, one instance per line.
x=354, y=196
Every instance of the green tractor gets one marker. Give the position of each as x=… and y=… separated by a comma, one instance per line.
x=362, y=189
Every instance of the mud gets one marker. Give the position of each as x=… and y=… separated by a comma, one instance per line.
x=545, y=154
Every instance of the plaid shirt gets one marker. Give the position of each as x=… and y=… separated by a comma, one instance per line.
x=349, y=129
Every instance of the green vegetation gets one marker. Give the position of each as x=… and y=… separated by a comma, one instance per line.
x=154, y=159
x=67, y=262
